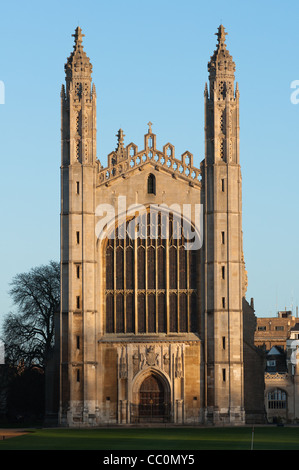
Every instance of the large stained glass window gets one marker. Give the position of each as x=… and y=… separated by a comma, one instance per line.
x=151, y=281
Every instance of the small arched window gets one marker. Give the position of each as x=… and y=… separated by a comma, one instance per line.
x=151, y=184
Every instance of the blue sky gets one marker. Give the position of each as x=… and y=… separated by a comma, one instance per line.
x=150, y=64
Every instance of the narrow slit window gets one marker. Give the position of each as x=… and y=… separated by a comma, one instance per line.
x=77, y=187
x=78, y=237
x=222, y=185
x=78, y=301
x=223, y=342
x=78, y=271
x=223, y=302
x=223, y=375
x=78, y=375
x=223, y=272
x=78, y=342
x=222, y=238
x=151, y=184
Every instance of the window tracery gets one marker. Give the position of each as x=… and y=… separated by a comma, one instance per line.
x=151, y=281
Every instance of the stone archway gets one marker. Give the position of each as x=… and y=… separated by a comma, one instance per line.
x=152, y=399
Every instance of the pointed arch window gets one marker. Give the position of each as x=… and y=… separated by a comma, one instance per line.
x=151, y=184
x=151, y=282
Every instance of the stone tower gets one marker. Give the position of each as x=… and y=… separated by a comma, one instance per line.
x=78, y=172
x=151, y=331
x=223, y=266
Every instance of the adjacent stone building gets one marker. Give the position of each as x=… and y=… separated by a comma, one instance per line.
x=153, y=308
x=274, y=331
x=278, y=337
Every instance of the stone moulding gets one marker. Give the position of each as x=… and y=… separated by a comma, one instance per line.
x=276, y=376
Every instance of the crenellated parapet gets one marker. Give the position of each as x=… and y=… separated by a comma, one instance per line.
x=127, y=159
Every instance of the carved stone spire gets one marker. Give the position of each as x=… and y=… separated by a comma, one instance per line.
x=78, y=100
x=222, y=105
x=221, y=66
x=78, y=66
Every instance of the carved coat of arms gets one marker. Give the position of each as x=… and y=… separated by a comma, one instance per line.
x=151, y=356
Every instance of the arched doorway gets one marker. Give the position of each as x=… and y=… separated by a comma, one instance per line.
x=153, y=400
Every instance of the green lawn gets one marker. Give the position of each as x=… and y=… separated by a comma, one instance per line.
x=265, y=438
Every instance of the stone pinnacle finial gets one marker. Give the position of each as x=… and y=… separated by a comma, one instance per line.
x=221, y=36
x=120, y=138
x=78, y=64
x=78, y=36
x=221, y=61
x=150, y=127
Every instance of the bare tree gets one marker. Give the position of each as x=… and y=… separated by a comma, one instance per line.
x=28, y=333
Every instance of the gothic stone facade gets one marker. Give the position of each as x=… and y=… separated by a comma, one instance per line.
x=151, y=330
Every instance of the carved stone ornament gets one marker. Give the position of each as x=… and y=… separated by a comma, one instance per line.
x=166, y=359
x=152, y=358
x=123, y=370
x=179, y=365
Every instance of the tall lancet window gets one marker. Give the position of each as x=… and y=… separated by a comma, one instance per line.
x=151, y=281
x=151, y=184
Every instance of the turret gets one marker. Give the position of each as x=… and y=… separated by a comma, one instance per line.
x=222, y=105
x=78, y=105
x=78, y=263
x=224, y=266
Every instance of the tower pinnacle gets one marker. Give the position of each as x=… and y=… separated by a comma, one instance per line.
x=120, y=139
x=222, y=105
x=221, y=66
x=78, y=64
x=78, y=99
x=221, y=37
x=78, y=36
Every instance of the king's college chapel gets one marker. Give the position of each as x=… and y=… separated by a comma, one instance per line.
x=154, y=323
